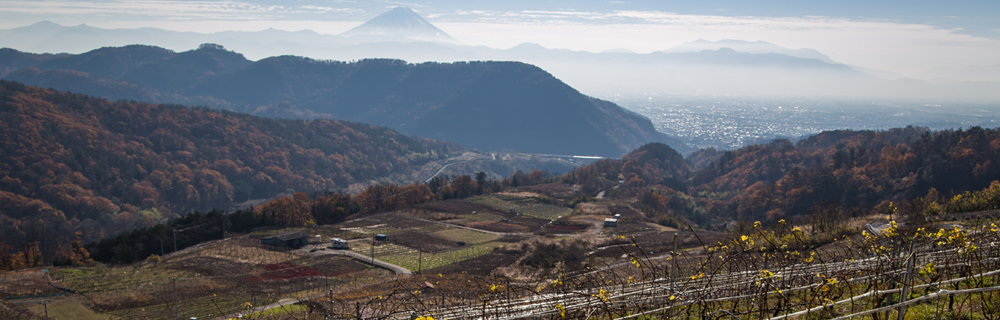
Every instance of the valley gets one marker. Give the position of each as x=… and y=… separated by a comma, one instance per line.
x=691, y=163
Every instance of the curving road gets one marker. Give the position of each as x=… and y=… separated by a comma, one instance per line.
x=356, y=256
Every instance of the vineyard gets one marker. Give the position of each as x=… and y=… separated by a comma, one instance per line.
x=930, y=272
x=875, y=270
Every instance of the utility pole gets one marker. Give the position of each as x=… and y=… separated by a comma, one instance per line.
x=46, y=305
x=420, y=259
x=175, y=240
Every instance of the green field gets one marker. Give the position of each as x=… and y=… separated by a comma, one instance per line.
x=206, y=307
x=67, y=308
x=102, y=278
x=467, y=236
x=411, y=259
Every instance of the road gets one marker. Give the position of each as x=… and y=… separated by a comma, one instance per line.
x=438, y=171
x=356, y=256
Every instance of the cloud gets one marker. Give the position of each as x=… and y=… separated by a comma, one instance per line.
x=165, y=9
x=325, y=9
x=904, y=48
x=407, y=4
x=907, y=49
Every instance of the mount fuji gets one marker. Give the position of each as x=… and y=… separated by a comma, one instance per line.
x=400, y=22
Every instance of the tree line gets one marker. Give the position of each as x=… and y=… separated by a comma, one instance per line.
x=297, y=210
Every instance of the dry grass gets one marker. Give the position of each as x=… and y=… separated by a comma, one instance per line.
x=518, y=195
x=591, y=208
x=252, y=255
x=69, y=307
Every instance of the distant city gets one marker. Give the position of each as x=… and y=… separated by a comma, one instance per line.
x=730, y=123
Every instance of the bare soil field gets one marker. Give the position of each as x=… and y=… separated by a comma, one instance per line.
x=532, y=223
x=624, y=210
x=214, y=266
x=25, y=282
x=632, y=227
x=455, y=206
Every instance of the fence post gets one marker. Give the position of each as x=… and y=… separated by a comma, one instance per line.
x=673, y=265
x=905, y=292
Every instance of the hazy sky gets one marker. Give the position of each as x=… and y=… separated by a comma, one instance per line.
x=908, y=37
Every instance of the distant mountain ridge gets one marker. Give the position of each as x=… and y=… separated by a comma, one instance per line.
x=402, y=22
x=750, y=69
x=486, y=105
x=749, y=47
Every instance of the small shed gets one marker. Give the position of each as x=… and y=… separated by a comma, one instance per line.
x=610, y=222
x=291, y=240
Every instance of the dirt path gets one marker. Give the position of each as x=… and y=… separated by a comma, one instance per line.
x=597, y=221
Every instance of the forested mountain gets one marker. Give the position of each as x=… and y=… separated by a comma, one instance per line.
x=70, y=162
x=841, y=173
x=486, y=105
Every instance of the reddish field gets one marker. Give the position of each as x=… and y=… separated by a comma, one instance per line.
x=531, y=223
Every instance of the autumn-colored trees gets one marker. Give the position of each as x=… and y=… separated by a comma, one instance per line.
x=847, y=172
x=82, y=162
